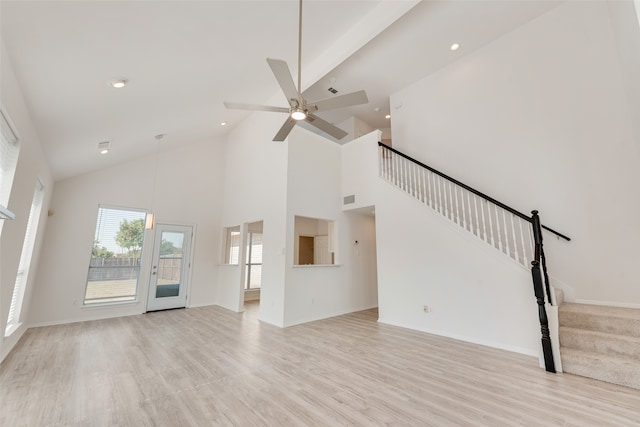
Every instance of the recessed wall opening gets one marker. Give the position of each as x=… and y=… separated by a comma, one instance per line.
x=314, y=241
x=232, y=245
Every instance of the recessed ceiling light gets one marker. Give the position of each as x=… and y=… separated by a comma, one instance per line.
x=118, y=83
x=388, y=116
x=455, y=46
x=223, y=123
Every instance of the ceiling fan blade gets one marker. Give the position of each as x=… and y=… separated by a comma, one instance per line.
x=283, y=75
x=252, y=107
x=285, y=129
x=325, y=126
x=340, y=101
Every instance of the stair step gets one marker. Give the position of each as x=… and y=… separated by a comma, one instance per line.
x=616, y=370
x=600, y=342
x=615, y=320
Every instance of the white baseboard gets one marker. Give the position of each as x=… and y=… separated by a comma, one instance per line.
x=513, y=349
x=82, y=319
x=10, y=342
x=328, y=315
x=607, y=303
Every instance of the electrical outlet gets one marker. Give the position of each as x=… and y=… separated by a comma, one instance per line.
x=426, y=309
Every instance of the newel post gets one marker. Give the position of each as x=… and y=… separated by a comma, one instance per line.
x=538, y=289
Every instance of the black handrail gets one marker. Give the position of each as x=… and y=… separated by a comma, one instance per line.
x=473, y=190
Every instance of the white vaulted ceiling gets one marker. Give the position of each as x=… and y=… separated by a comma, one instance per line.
x=183, y=58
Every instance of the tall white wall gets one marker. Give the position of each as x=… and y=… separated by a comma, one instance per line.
x=540, y=119
x=314, y=190
x=31, y=165
x=255, y=187
x=181, y=186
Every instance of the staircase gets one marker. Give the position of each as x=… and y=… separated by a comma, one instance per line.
x=601, y=342
x=513, y=233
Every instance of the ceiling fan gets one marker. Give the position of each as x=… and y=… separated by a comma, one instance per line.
x=299, y=108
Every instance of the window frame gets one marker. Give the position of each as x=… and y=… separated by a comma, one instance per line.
x=117, y=299
x=249, y=262
x=26, y=256
x=5, y=193
x=231, y=234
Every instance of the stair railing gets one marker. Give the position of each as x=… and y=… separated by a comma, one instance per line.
x=511, y=232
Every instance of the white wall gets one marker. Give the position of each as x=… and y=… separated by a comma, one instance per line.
x=475, y=292
x=540, y=119
x=31, y=166
x=255, y=186
x=314, y=188
x=187, y=191
x=360, y=170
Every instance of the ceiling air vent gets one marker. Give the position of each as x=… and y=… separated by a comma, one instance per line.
x=104, y=146
x=332, y=90
x=349, y=199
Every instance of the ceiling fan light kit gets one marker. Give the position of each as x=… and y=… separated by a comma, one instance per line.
x=298, y=114
x=299, y=109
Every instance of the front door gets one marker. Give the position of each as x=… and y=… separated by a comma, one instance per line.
x=170, y=268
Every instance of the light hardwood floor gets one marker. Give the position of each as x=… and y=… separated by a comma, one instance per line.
x=212, y=367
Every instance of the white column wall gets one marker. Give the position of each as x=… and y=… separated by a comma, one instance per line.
x=540, y=119
x=255, y=188
x=314, y=188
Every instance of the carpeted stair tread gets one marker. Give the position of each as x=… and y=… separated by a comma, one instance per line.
x=616, y=320
x=617, y=370
x=600, y=342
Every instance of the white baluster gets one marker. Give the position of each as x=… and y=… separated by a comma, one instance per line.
x=423, y=184
x=399, y=171
x=429, y=191
x=490, y=223
x=470, y=215
x=475, y=209
x=515, y=243
x=410, y=177
x=405, y=175
x=446, y=197
x=384, y=163
x=524, y=250
x=506, y=232
x=455, y=193
x=414, y=180
x=423, y=194
x=394, y=168
x=439, y=194
x=499, y=229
